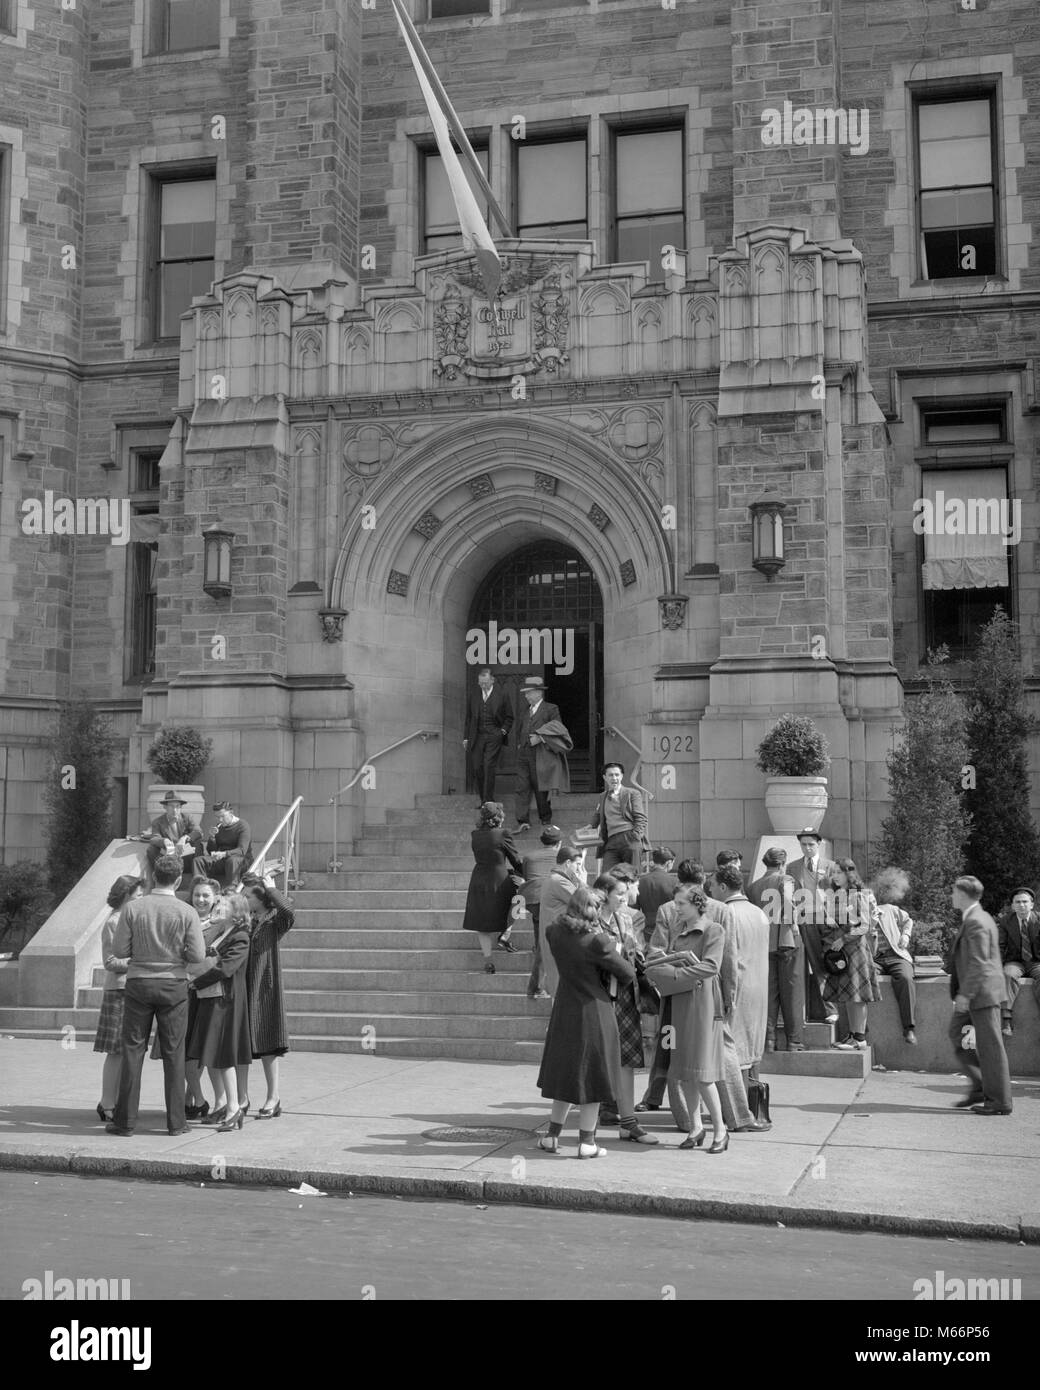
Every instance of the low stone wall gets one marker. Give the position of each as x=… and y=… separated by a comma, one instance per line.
x=933, y=1051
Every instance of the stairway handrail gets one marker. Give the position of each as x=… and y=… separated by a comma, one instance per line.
x=292, y=843
x=335, y=864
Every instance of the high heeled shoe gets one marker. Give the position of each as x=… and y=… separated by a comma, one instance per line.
x=637, y=1135
x=690, y=1142
x=232, y=1122
x=105, y=1116
x=216, y=1117
x=269, y=1112
x=203, y=1109
x=718, y=1148
x=244, y=1107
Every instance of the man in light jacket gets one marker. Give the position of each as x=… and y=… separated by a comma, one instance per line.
x=978, y=990
x=774, y=894
x=160, y=936
x=620, y=820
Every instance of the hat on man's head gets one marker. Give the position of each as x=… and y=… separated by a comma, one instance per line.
x=551, y=836
x=534, y=683
x=1024, y=890
x=810, y=834
x=172, y=799
x=222, y=806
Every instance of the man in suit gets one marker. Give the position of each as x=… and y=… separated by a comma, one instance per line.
x=175, y=833
x=229, y=848
x=538, y=865
x=1018, y=934
x=620, y=820
x=542, y=743
x=488, y=721
x=745, y=980
x=774, y=894
x=656, y=888
x=978, y=990
x=811, y=876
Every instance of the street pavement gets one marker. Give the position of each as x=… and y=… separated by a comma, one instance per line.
x=886, y=1153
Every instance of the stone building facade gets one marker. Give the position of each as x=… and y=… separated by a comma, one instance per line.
x=225, y=298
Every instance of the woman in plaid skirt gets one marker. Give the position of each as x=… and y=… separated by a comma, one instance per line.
x=616, y=922
x=108, y=1037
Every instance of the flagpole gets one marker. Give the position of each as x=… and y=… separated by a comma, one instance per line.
x=456, y=126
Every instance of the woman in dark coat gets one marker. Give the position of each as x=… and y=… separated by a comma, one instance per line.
x=219, y=1037
x=491, y=889
x=269, y=1036
x=581, y=1064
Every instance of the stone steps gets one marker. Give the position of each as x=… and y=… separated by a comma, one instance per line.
x=435, y=1027
x=379, y=899
x=463, y=1049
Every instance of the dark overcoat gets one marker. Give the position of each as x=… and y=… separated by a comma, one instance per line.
x=219, y=1035
x=582, y=1058
x=268, y=1033
x=491, y=890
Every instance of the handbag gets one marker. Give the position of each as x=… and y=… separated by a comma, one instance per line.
x=836, y=961
x=648, y=995
x=758, y=1099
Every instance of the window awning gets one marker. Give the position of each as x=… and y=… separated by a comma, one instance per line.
x=966, y=525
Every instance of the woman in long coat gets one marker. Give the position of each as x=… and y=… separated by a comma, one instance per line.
x=690, y=975
x=581, y=1064
x=491, y=890
x=219, y=1038
x=269, y=1036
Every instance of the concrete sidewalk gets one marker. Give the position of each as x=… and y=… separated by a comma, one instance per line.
x=885, y=1153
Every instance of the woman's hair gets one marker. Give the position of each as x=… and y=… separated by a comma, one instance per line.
x=688, y=893
x=238, y=909
x=491, y=815
x=625, y=872
x=259, y=891
x=689, y=871
x=848, y=867
x=120, y=891
x=206, y=883
x=582, y=910
x=891, y=885
x=606, y=883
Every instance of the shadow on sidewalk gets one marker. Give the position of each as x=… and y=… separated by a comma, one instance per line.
x=18, y=1120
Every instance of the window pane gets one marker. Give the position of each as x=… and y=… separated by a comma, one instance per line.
x=955, y=144
x=641, y=239
x=555, y=231
x=442, y=221
x=188, y=219
x=7, y=16
x=952, y=209
x=551, y=184
x=649, y=172
x=180, y=282
x=444, y=9
x=964, y=426
x=956, y=617
x=192, y=24
x=966, y=251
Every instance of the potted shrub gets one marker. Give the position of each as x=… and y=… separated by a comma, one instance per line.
x=178, y=756
x=794, y=755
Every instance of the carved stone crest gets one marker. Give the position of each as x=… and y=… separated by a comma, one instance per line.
x=673, y=611
x=331, y=620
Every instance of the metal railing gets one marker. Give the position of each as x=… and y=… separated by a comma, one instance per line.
x=612, y=732
x=335, y=864
x=290, y=862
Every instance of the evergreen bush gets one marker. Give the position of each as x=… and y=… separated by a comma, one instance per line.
x=1004, y=849
x=178, y=755
x=25, y=903
x=78, y=794
x=794, y=747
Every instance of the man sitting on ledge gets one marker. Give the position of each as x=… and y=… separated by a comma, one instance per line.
x=175, y=833
x=229, y=848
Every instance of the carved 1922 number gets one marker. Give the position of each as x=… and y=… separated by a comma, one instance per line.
x=673, y=743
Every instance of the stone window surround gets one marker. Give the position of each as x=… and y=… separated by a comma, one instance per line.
x=139, y=191
x=139, y=26
x=596, y=116
x=24, y=23
x=959, y=389
x=14, y=244
x=908, y=81
x=513, y=12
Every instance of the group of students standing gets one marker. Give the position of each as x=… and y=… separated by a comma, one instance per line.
x=209, y=976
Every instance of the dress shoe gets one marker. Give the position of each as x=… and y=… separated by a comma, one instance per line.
x=909, y=1036
x=986, y=1109
x=1007, y=1028
x=524, y=825
x=114, y=1129
x=541, y=994
x=976, y=1098
x=796, y=1047
x=489, y=967
x=507, y=946
x=637, y=1135
x=645, y=1105
x=755, y=1127
x=770, y=1045
x=173, y=1133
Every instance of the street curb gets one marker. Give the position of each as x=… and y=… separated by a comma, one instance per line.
x=453, y=1187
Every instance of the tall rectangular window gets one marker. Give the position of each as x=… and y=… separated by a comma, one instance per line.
x=181, y=26
x=440, y=219
x=551, y=189
x=957, y=190
x=183, y=265
x=8, y=16
x=449, y=9
x=142, y=593
x=648, y=196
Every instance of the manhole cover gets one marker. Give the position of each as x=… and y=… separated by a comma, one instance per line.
x=453, y=1135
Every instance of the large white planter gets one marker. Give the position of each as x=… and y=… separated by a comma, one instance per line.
x=194, y=800
x=795, y=803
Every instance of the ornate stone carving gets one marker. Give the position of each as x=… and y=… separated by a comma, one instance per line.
x=368, y=449
x=397, y=583
x=598, y=517
x=551, y=321
x=628, y=573
x=635, y=433
x=544, y=483
x=481, y=486
x=428, y=525
x=451, y=327
x=331, y=620
x=673, y=611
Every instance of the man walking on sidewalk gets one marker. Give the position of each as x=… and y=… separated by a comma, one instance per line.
x=978, y=990
x=160, y=936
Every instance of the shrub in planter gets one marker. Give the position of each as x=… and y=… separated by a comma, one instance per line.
x=178, y=755
x=78, y=794
x=932, y=938
x=25, y=903
x=794, y=747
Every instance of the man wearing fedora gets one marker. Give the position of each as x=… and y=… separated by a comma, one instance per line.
x=229, y=849
x=542, y=745
x=811, y=876
x=175, y=833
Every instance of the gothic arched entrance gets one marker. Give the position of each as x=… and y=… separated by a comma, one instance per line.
x=540, y=612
